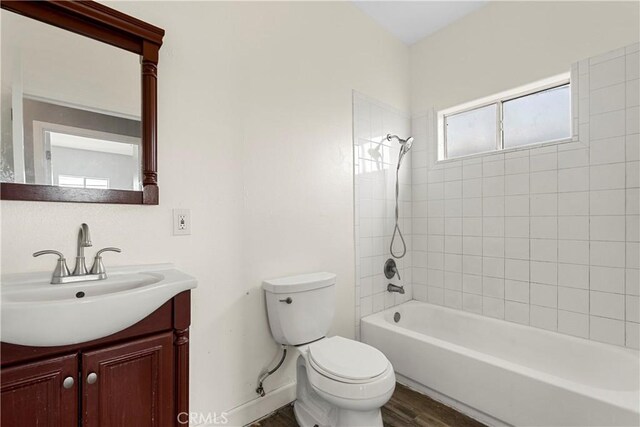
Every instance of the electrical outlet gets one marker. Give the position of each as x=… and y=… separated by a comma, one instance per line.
x=181, y=222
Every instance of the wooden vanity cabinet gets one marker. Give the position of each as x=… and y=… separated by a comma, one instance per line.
x=137, y=377
x=133, y=384
x=33, y=394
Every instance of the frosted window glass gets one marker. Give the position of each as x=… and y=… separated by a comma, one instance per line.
x=71, y=181
x=472, y=132
x=96, y=183
x=539, y=117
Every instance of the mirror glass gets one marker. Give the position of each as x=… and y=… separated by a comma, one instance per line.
x=70, y=109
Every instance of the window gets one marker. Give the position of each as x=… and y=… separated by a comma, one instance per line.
x=534, y=114
x=472, y=131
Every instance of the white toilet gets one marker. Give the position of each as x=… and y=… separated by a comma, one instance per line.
x=340, y=382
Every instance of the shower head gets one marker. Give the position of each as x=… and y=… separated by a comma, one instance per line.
x=406, y=143
x=406, y=146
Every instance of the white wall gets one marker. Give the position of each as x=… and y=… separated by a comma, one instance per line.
x=545, y=236
x=255, y=137
x=507, y=44
x=375, y=161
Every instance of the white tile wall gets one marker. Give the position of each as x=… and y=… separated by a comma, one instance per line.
x=547, y=236
x=374, y=179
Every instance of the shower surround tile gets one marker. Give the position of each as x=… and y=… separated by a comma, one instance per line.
x=546, y=236
x=374, y=184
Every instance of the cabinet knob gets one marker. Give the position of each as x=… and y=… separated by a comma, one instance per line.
x=92, y=378
x=68, y=382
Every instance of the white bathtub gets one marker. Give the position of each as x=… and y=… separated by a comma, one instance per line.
x=505, y=373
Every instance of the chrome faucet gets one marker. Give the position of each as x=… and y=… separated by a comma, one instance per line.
x=84, y=241
x=61, y=273
x=393, y=288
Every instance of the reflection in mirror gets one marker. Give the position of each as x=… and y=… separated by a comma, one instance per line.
x=70, y=109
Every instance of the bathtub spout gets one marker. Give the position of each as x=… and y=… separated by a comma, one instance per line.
x=393, y=288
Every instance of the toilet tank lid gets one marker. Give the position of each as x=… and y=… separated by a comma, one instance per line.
x=300, y=283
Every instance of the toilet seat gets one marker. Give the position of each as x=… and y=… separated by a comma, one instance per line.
x=349, y=371
x=374, y=392
x=347, y=360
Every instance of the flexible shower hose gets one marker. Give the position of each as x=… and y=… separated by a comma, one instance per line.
x=396, y=229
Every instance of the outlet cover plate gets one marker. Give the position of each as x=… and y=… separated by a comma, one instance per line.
x=181, y=222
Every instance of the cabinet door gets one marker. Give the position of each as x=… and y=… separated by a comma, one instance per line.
x=41, y=393
x=129, y=384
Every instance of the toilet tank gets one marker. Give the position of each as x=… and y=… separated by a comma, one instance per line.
x=300, y=308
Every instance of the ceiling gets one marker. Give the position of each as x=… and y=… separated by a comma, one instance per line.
x=411, y=21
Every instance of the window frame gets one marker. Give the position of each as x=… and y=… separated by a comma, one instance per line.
x=499, y=99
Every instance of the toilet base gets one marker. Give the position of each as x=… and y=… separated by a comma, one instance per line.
x=308, y=417
x=359, y=418
x=342, y=418
x=311, y=410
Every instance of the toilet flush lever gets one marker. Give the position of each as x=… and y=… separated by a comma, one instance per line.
x=288, y=300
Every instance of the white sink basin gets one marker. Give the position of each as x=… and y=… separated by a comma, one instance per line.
x=37, y=313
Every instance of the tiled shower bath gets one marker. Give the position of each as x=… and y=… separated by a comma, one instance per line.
x=546, y=236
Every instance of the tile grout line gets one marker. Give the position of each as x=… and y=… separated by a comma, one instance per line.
x=588, y=123
x=626, y=186
x=557, y=246
x=529, y=238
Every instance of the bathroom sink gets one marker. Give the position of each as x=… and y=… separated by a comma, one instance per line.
x=37, y=313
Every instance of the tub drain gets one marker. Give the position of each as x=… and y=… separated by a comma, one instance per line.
x=396, y=317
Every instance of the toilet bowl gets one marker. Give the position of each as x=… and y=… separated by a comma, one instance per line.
x=340, y=382
x=353, y=378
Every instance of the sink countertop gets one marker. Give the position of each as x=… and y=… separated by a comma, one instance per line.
x=37, y=313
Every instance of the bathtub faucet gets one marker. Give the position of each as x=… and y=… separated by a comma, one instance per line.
x=393, y=288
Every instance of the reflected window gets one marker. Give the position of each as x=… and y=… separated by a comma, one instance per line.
x=82, y=182
x=101, y=159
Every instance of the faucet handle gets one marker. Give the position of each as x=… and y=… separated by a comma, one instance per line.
x=98, y=265
x=110, y=249
x=61, y=269
x=49, y=251
x=390, y=269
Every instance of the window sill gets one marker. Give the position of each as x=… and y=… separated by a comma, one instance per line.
x=509, y=150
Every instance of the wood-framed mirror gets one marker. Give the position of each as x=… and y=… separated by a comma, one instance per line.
x=79, y=124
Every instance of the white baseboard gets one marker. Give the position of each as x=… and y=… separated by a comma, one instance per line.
x=261, y=406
